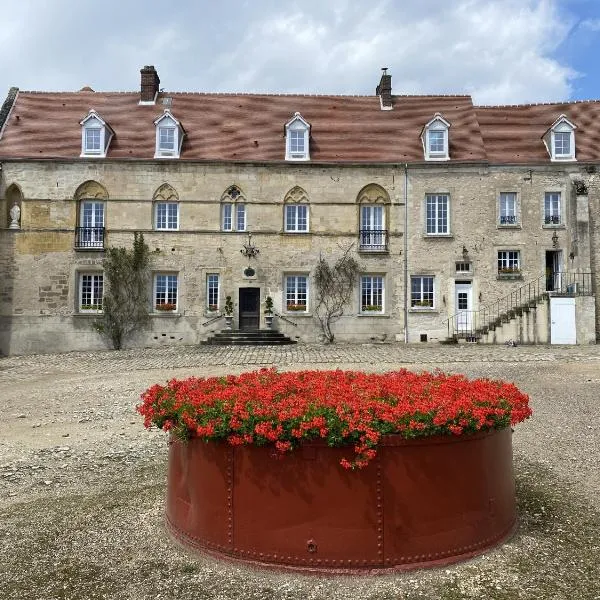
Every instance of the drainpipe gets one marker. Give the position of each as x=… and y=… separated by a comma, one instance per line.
x=406, y=253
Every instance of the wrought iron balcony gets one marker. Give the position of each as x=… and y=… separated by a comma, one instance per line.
x=508, y=220
x=89, y=238
x=552, y=220
x=373, y=240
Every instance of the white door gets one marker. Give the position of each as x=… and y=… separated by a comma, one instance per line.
x=562, y=321
x=463, y=302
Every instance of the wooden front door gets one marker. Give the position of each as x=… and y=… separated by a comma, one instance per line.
x=249, y=308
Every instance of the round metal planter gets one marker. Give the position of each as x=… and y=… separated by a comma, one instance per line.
x=419, y=503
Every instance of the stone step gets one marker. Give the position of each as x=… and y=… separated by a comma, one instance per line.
x=248, y=337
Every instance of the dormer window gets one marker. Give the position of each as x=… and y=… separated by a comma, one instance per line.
x=435, y=138
x=96, y=135
x=169, y=136
x=560, y=139
x=297, y=133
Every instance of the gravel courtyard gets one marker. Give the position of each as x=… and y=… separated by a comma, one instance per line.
x=83, y=483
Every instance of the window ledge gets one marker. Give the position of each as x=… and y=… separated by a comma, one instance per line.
x=294, y=313
x=423, y=311
x=373, y=314
x=509, y=226
x=286, y=232
x=165, y=314
x=159, y=229
x=437, y=235
x=509, y=276
x=87, y=314
x=554, y=226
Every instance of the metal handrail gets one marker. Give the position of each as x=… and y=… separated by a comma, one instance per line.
x=472, y=323
x=285, y=319
x=212, y=320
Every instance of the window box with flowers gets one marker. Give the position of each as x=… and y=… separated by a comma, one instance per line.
x=166, y=307
x=213, y=307
x=276, y=441
x=371, y=309
x=509, y=273
x=296, y=307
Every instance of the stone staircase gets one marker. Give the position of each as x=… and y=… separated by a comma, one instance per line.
x=248, y=337
x=520, y=317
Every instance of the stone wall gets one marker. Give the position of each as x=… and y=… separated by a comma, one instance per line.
x=40, y=267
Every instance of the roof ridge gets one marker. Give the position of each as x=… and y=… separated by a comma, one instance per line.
x=564, y=102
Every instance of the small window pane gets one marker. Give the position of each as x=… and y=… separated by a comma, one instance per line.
x=91, y=291
x=166, y=292
x=421, y=292
x=166, y=138
x=509, y=261
x=436, y=142
x=92, y=140
x=296, y=293
x=212, y=291
x=371, y=293
x=437, y=214
x=167, y=215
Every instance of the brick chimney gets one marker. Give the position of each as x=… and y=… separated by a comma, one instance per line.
x=384, y=90
x=149, y=84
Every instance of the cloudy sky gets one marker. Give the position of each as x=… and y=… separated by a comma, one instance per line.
x=500, y=51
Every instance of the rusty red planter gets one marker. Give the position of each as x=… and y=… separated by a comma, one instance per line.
x=419, y=503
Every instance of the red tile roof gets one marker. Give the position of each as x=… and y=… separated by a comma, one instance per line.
x=513, y=134
x=250, y=127
x=242, y=127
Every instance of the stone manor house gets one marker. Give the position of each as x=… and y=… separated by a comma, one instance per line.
x=476, y=223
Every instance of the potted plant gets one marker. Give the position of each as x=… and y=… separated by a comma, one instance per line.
x=377, y=444
x=269, y=312
x=228, y=312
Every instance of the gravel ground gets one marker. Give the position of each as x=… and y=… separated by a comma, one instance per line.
x=83, y=484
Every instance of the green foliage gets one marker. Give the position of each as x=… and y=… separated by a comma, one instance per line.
x=335, y=286
x=268, y=305
x=228, y=306
x=127, y=281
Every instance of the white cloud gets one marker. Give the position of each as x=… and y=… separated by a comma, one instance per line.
x=591, y=24
x=501, y=51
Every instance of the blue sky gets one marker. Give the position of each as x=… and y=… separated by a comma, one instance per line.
x=500, y=51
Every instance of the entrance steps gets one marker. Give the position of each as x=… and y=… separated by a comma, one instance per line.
x=248, y=337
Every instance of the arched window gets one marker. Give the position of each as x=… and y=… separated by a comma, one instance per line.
x=91, y=200
x=233, y=210
x=296, y=211
x=373, y=201
x=166, y=208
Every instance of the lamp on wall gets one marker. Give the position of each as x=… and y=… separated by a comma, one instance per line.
x=465, y=252
x=249, y=250
x=555, y=240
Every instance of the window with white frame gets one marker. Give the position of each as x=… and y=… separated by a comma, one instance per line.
x=435, y=138
x=552, y=212
x=165, y=292
x=233, y=216
x=296, y=218
x=96, y=135
x=372, y=227
x=507, y=208
x=90, y=233
x=509, y=261
x=421, y=291
x=559, y=139
x=166, y=215
x=371, y=294
x=91, y=291
x=296, y=293
x=212, y=292
x=463, y=267
x=297, y=136
x=169, y=136
x=436, y=214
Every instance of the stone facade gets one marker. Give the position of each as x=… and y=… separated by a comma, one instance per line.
x=41, y=267
x=444, y=258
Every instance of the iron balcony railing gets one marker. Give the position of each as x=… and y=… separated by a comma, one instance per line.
x=472, y=324
x=89, y=238
x=552, y=220
x=373, y=240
